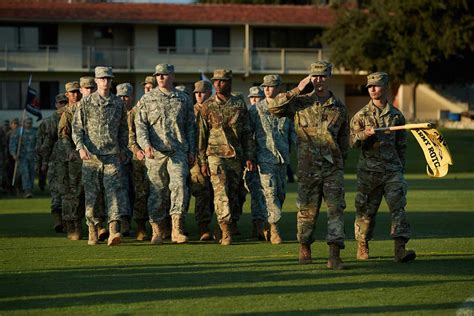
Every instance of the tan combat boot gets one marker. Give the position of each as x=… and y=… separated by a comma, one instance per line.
x=93, y=239
x=114, y=234
x=77, y=231
x=305, y=254
x=70, y=229
x=156, y=238
x=102, y=233
x=141, y=230
x=334, y=261
x=226, y=238
x=362, y=250
x=177, y=231
x=28, y=194
x=401, y=254
x=58, y=222
x=204, y=232
x=275, y=237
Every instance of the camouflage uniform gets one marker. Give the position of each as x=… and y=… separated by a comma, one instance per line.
x=166, y=123
x=272, y=138
x=380, y=170
x=26, y=162
x=139, y=173
x=70, y=168
x=200, y=186
x=100, y=127
x=323, y=138
x=49, y=155
x=224, y=142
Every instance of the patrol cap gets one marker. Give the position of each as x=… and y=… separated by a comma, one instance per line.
x=163, y=69
x=29, y=120
x=222, y=74
x=16, y=121
x=271, y=81
x=103, y=72
x=377, y=79
x=61, y=98
x=256, y=91
x=151, y=80
x=87, y=82
x=321, y=68
x=202, y=86
x=124, y=89
x=72, y=86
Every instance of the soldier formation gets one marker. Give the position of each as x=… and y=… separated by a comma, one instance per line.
x=109, y=160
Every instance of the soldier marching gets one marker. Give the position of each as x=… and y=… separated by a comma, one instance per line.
x=144, y=161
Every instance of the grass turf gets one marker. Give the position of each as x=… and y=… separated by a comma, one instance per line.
x=42, y=272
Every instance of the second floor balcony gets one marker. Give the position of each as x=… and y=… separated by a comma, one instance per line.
x=142, y=59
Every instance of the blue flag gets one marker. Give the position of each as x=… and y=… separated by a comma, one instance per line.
x=32, y=103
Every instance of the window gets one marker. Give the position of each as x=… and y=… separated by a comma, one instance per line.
x=287, y=38
x=185, y=40
x=29, y=37
x=13, y=94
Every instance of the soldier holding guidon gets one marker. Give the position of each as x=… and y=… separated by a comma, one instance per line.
x=380, y=169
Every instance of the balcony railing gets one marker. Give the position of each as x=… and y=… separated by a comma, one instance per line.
x=143, y=59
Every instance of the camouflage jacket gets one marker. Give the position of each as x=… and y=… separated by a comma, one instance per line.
x=48, y=137
x=382, y=151
x=224, y=130
x=100, y=125
x=273, y=135
x=28, y=143
x=322, y=129
x=65, y=131
x=166, y=122
x=132, y=131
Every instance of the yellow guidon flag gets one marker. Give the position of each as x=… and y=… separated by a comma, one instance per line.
x=433, y=144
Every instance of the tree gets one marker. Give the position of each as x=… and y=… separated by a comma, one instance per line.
x=415, y=41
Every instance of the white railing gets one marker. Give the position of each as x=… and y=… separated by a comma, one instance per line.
x=143, y=59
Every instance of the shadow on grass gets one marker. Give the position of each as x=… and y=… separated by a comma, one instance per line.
x=183, y=281
x=365, y=309
x=425, y=225
x=428, y=184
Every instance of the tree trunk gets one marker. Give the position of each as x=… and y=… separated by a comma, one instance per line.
x=415, y=86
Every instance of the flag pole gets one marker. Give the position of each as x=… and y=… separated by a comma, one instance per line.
x=17, y=158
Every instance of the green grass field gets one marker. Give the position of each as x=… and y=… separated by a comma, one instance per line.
x=44, y=273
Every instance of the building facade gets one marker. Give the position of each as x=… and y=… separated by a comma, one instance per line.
x=57, y=42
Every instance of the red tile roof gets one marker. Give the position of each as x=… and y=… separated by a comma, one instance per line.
x=161, y=13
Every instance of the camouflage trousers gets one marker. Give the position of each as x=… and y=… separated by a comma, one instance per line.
x=257, y=200
x=26, y=167
x=371, y=187
x=140, y=186
x=55, y=181
x=321, y=182
x=273, y=187
x=73, y=190
x=127, y=171
x=201, y=189
x=167, y=174
x=226, y=175
x=103, y=176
